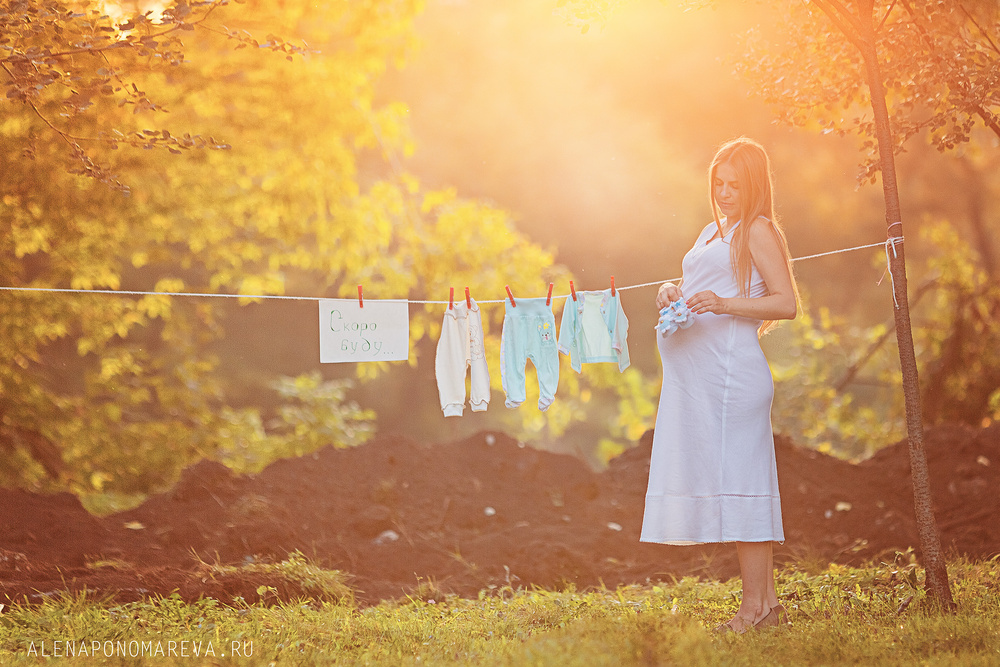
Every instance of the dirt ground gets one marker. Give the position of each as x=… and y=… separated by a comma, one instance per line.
x=405, y=518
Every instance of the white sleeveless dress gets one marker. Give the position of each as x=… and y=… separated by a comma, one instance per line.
x=712, y=474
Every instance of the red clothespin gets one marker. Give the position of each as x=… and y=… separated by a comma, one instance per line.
x=572, y=290
x=548, y=299
x=451, y=298
x=612, y=285
x=510, y=296
x=468, y=298
x=361, y=298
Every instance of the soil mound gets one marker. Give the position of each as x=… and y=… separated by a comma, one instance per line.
x=406, y=518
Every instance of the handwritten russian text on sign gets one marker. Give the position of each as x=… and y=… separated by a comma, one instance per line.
x=349, y=333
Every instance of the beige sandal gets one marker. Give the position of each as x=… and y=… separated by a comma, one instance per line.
x=776, y=616
x=782, y=614
x=723, y=629
x=769, y=620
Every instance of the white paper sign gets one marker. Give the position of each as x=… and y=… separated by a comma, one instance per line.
x=380, y=331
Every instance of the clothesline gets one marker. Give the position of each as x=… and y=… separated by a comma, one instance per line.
x=315, y=298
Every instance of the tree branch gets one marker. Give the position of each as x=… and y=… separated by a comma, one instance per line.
x=841, y=9
x=886, y=17
x=113, y=45
x=68, y=138
x=19, y=58
x=856, y=367
x=852, y=29
x=976, y=23
x=989, y=119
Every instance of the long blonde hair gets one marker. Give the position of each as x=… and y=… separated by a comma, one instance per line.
x=756, y=186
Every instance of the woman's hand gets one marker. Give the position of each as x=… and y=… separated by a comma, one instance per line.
x=667, y=294
x=707, y=302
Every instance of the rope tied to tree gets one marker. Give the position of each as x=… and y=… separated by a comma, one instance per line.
x=891, y=242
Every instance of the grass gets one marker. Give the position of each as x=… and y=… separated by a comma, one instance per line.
x=869, y=616
x=320, y=585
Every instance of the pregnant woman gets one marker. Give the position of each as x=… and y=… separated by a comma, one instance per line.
x=712, y=475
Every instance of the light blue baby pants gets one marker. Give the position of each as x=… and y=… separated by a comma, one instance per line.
x=529, y=332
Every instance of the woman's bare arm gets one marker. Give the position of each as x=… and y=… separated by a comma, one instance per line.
x=769, y=258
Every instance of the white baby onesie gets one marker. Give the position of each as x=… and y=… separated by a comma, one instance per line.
x=460, y=348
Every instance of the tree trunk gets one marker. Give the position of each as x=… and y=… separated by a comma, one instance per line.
x=930, y=539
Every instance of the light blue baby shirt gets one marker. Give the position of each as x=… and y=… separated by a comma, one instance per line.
x=594, y=329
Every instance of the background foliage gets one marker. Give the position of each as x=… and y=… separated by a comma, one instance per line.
x=325, y=146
